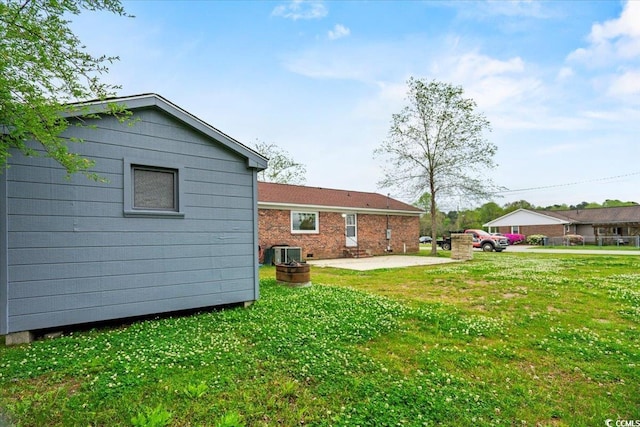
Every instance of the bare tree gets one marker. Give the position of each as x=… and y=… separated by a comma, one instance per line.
x=282, y=168
x=437, y=145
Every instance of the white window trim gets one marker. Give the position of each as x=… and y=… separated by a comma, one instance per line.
x=130, y=211
x=317, y=223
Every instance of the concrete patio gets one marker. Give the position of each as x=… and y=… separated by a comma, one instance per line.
x=378, y=262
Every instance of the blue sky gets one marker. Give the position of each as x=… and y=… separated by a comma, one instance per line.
x=558, y=80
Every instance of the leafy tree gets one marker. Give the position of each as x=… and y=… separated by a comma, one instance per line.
x=555, y=207
x=469, y=219
x=488, y=212
x=425, y=220
x=43, y=68
x=514, y=206
x=436, y=144
x=608, y=203
x=449, y=222
x=424, y=203
x=282, y=168
x=616, y=203
x=582, y=205
x=452, y=217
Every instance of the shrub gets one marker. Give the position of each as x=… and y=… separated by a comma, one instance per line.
x=536, y=239
x=515, y=238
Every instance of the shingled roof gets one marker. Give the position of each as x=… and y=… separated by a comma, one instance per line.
x=615, y=215
x=271, y=195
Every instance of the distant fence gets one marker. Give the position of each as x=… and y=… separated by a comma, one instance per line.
x=633, y=241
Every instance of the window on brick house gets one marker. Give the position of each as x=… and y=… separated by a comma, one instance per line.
x=304, y=222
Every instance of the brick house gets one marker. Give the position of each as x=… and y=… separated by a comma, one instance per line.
x=329, y=223
x=593, y=224
x=528, y=222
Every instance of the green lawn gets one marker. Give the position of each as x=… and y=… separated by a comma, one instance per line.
x=505, y=339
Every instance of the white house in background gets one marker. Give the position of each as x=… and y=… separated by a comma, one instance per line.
x=524, y=221
x=592, y=224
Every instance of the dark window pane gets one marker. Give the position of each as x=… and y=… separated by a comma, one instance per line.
x=302, y=221
x=154, y=189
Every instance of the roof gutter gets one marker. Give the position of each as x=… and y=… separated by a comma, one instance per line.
x=322, y=208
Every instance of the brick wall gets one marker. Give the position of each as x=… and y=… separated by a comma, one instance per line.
x=546, y=230
x=274, y=228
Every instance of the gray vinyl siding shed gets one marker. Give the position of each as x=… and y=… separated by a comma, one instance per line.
x=76, y=251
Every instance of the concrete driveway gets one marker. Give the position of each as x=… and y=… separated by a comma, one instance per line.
x=377, y=262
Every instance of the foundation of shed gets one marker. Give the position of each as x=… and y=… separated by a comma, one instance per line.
x=17, y=338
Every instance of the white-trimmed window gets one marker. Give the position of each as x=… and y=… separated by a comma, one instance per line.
x=152, y=189
x=304, y=222
x=515, y=229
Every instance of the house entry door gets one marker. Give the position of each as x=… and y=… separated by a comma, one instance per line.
x=351, y=230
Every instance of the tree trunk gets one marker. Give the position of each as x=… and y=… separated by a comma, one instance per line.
x=434, y=223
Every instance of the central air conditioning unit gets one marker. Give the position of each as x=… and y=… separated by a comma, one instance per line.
x=286, y=254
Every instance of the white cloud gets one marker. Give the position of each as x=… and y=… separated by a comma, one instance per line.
x=301, y=9
x=613, y=55
x=559, y=148
x=614, y=40
x=565, y=73
x=388, y=98
x=627, y=84
x=323, y=64
x=338, y=32
x=489, y=81
x=627, y=116
x=501, y=87
x=396, y=61
x=368, y=63
x=526, y=8
x=498, y=8
x=627, y=25
x=482, y=66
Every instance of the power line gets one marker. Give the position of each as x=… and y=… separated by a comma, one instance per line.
x=567, y=184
